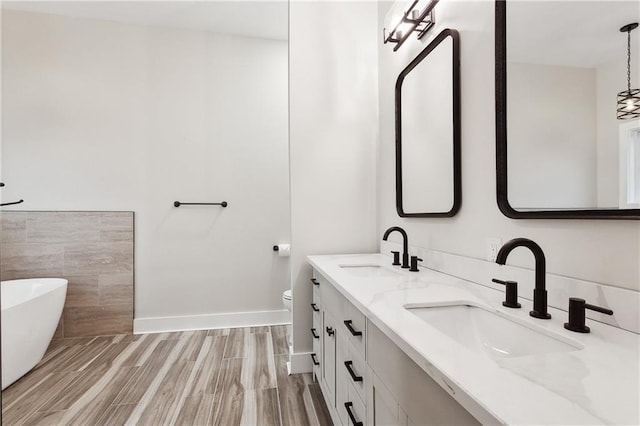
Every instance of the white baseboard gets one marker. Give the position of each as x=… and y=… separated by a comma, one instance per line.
x=300, y=363
x=210, y=321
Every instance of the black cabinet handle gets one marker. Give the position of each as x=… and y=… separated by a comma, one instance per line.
x=315, y=307
x=348, y=406
x=314, y=281
x=353, y=331
x=330, y=331
x=315, y=359
x=352, y=373
x=314, y=334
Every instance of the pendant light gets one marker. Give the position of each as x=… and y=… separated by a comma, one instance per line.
x=629, y=100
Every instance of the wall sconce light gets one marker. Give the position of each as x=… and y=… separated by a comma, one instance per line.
x=401, y=20
x=628, y=100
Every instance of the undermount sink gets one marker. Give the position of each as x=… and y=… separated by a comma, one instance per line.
x=368, y=271
x=490, y=333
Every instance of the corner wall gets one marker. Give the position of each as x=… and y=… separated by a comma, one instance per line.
x=333, y=135
x=601, y=251
x=99, y=115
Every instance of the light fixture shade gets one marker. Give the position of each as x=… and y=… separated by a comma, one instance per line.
x=628, y=104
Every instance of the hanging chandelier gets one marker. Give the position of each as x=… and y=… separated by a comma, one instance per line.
x=629, y=100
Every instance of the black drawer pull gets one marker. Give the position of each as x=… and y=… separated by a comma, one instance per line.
x=351, y=329
x=314, y=359
x=315, y=307
x=348, y=406
x=314, y=334
x=330, y=331
x=352, y=373
x=314, y=281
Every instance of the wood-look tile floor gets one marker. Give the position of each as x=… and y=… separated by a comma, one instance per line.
x=221, y=377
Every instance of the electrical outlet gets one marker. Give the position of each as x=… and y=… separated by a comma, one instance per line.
x=493, y=246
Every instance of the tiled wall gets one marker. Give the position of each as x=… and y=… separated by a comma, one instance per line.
x=93, y=250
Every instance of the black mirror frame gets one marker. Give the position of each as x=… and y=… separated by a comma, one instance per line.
x=501, y=141
x=457, y=168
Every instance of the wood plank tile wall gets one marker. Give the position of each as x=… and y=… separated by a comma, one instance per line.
x=93, y=250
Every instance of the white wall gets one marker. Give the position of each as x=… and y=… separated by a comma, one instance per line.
x=105, y=116
x=551, y=165
x=333, y=129
x=601, y=251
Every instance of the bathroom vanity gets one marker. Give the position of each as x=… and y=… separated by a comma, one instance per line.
x=414, y=348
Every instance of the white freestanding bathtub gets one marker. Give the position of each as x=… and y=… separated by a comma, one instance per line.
x=31, y=310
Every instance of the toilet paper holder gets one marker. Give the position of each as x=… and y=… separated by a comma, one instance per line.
x=283, y=249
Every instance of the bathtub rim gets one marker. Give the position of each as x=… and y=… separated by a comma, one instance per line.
x=52, y=284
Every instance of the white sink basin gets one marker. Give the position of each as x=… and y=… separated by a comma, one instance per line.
x=490, y=333
x=368, y=271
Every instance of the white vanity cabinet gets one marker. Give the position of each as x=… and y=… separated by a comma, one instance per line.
x=365, y=378
x=340, y=352
x=420, y=400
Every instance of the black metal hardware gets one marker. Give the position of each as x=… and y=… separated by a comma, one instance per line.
x=315, y=282
x=426, y=18
x=539, y=292
x=314, y=334
x=502, y=141
x=330, y=331
x=352, y=373
x=353, y=331
x=352, y=416
x=511, y=293
x=276, y=248
x=457, y=158
x=405, y=244
x=414, y=264
x=10, y=204
x=396, y=258
x=314, y=358
x=180, y=203
x=577, y=309
x=1, y=184
x=315, y=307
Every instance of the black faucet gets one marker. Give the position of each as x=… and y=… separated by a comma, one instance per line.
x=540, y=291
x=405, y=244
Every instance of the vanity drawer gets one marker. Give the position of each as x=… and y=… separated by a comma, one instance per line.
x=317, y=319
x=355, y=369
x=423, y=399
x=316, y=362
x=332, y=300
x=354, y=325
x=316, y=286
x=353, y=409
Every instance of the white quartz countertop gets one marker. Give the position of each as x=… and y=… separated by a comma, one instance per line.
x=597, y=383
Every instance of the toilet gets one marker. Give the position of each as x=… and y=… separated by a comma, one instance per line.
x=286, y=299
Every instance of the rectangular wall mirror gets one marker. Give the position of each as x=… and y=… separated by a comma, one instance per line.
x=561, y=150
x=428, y=177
